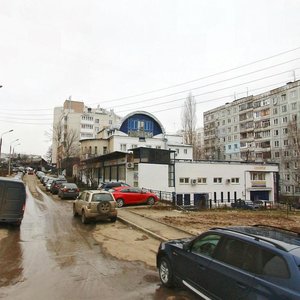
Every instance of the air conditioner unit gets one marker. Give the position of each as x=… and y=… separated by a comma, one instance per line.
x=193, y=181
x=130, y=165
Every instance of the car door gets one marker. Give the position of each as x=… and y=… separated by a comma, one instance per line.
x=192, y=263
x=229, y=274
x=80, y=201
x=131, y=195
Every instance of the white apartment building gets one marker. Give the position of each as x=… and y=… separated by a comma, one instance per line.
x=82, y=121
x=258, y=128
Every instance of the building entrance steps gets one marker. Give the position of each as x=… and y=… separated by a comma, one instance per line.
x=154, y=228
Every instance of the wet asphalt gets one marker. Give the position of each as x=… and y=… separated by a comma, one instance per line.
x=53, y=256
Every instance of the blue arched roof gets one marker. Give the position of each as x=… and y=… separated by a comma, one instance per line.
x=131, y=123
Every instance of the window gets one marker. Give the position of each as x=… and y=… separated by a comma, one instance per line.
x=235, y=180
x=283, y=97
x=276, y=154
x=257, y=176
x=275, y=111
x=276, y=132
x=276, y=143
x=205, y=245
x=283, y=108
x=185, y=151
x=96, y=120
x=284, y=130
x=217, y=180
x=285, y=142
x=184, y=180
x=275, y=121
x=294, y=105
x=293, y=94
x=104, y=150
x=123, y=147
x=201, y=180
x=284, y=120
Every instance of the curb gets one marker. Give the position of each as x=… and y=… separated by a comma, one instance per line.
x=174, y=227
x=152, y=234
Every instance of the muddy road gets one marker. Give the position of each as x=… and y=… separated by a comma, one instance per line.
x=54, y=256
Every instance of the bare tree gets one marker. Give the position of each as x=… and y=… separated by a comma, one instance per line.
x=292, y=152
x=189, y=122
x=48, y=155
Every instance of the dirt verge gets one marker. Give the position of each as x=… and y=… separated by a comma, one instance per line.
x=126, y=243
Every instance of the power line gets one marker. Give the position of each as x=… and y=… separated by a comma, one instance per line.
x=201, y=78
x=210, y=84
x=214, y=91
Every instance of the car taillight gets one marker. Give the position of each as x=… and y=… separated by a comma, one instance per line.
x=65, y=190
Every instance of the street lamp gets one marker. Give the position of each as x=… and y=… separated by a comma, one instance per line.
x=9, y=160
x=1, y=139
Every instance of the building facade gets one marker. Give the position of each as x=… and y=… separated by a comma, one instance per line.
x=154, y=160
x=74, y=122
x=258, y=129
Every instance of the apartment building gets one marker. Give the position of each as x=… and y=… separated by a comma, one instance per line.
x=74, y=121
x=260, y=128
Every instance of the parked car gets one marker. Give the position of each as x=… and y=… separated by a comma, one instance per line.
x=30, y=171
x=68, y=190
x=126, y=195
x=55, y=185
x=246, y=262
x=12, y=200
x=110, y=185
x=96, y=205
x=48, y=184
x=262, y=204
x=242, y=204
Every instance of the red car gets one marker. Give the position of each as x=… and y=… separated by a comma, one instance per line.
x=125, y=195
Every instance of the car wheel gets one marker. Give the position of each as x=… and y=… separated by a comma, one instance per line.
x=150, y=201
x=165, y=272
x=113, y=219
x=120, y=202
x=83, y=218
x=75, y=214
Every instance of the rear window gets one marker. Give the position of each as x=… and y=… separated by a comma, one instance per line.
x=102, y=197
x=14, y=194
x=70, y=185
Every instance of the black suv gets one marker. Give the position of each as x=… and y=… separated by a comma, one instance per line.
x=246, y=262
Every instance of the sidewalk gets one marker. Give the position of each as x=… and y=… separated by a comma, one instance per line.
x=154, y=228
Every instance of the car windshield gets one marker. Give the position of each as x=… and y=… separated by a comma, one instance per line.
x=102, y=197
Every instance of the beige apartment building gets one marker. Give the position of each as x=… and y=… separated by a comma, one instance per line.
x=260, y=128
x=75, y=121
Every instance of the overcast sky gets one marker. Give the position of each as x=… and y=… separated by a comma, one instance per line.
x=132, y=55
